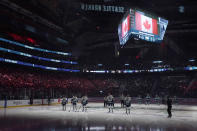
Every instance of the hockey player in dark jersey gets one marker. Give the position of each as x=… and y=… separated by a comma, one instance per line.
x=169, y=104
x=139, y=99
x=64, y=102
x=105, y=101
x=110, y=100
x=127, y=102
x=84, y=102
x=147, y=99
x=49, y=100
x=122, y=100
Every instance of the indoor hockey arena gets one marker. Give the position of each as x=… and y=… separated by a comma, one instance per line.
x=98, y=65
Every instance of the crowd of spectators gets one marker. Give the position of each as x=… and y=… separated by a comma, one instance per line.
x=18, y=83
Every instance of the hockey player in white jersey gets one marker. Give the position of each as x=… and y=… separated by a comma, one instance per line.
x=84, y=102
x=128, y=104
x=110, y=102
x=74, y=101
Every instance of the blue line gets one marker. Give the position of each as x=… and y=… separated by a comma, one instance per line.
x=34, y=48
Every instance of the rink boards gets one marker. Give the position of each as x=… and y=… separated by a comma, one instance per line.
x=23, y=103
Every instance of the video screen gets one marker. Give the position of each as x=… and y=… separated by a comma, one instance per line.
x=141, y=25
x=146, y=24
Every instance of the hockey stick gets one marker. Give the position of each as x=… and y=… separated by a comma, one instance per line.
x=78, y=108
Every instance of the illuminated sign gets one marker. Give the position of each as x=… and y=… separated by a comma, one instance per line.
x=36, y=66
x=102, y=8
x=34, y=48
x=36, y=57
x=22, y=38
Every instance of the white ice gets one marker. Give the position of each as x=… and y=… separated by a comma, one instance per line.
x=152, y=115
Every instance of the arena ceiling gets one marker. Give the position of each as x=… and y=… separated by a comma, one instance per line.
x=93, y=34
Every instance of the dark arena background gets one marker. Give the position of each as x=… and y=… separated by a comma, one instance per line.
x=98, y=65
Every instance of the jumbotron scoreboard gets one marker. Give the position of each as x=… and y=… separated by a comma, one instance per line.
x=143, y=26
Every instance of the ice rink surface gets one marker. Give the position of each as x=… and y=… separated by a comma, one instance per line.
x=142, y=118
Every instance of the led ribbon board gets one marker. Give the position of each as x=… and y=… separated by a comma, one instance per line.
x=34, y=48
x=36, y=57
x=36, y=66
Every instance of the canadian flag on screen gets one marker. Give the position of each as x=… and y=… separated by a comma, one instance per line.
x=146, y=24
x=125, y=26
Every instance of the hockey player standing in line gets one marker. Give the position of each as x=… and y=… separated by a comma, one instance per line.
x=139, y=99
x=147, y=99
x=105, y=101
x=49, y=100
x=84, y=102
x=74, y=101
x=110, y=100
x=122, y=100
x=157, y=100
x=128, y=104
x=113, y=102
x=175, y=100
x=169, y=104
x=64, y=102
